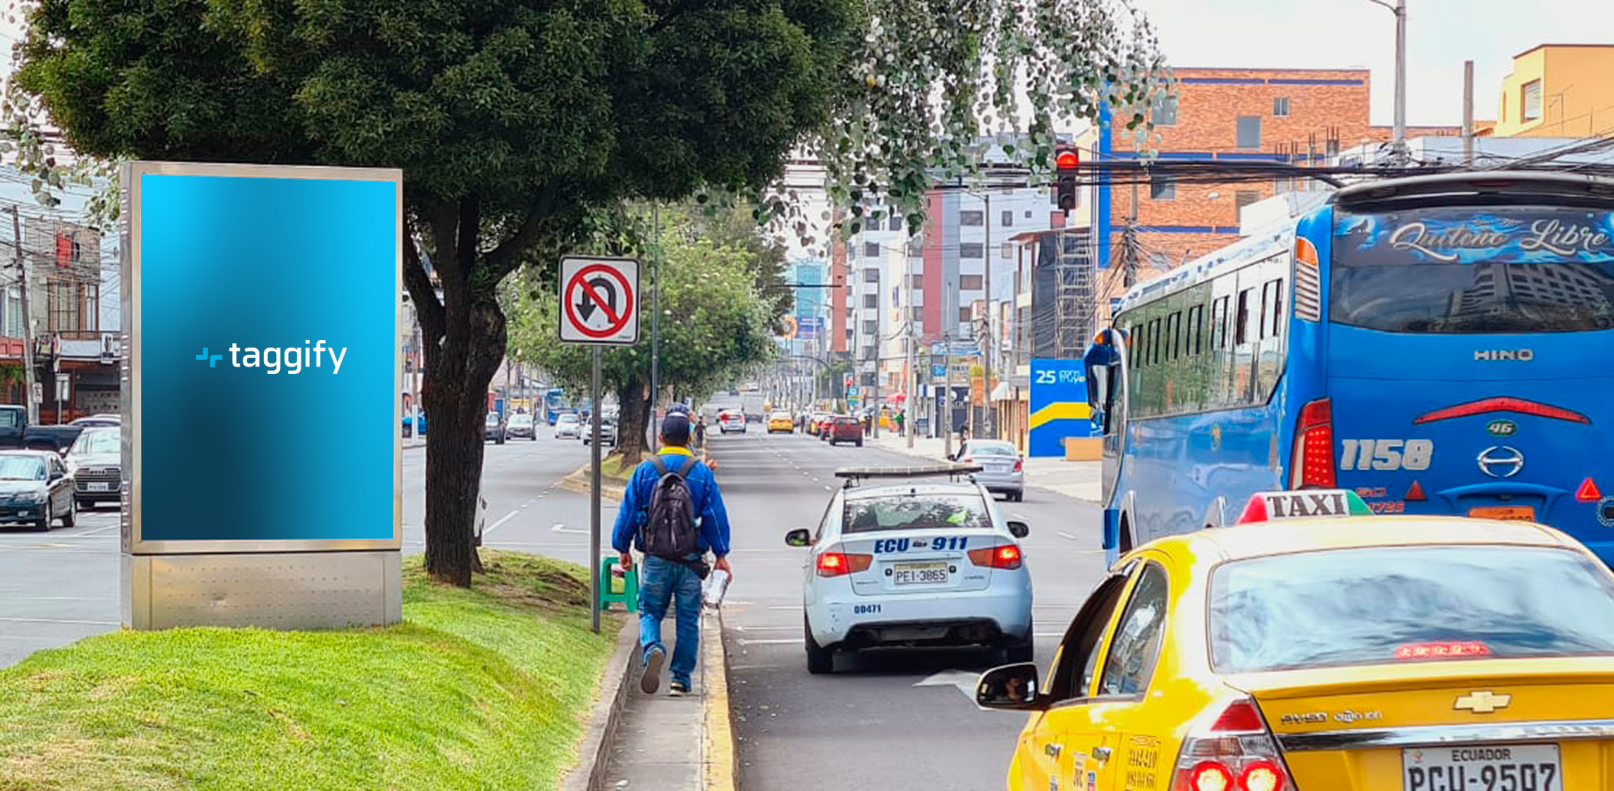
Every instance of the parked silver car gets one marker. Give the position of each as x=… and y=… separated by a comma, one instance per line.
x=35, y=489
x=1003, y=470
x=607, y=432
x=96, y=460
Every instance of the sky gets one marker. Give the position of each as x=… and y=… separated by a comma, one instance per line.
x=1441, y=34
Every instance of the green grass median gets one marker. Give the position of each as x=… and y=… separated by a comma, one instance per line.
x=478, y=689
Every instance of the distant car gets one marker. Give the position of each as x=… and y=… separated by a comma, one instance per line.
x=96, y=461
x=846, y=429
x=817, y=421
x=731, y=422
x=1003, y=471
x=493, y=428
x=521, y=426
x=780, y=421
x=36, y=489
x=568, y=426
x=607, y=432
x=99, y=420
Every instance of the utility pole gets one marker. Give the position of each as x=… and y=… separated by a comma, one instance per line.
x=989, y=429
x=874, y=395
x=27, y=321
x=1468, y=113
x=947, y=395
x=1129, y=274
x=1400, y=141
x=655, y=325
x=908, y=424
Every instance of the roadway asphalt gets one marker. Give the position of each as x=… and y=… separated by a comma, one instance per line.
x=885, y=719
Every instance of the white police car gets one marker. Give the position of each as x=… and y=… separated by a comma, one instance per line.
x=913, y=563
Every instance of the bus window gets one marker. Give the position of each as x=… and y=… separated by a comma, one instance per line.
x=1219, y=323
x=1277, y=308
x=1196, y=328
x=1241, y=321
x=1154, y=342
x=1173, y=334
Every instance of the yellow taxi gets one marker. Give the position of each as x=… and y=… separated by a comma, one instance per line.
x=818, y=422
x=1338, y=651
x=781, y=421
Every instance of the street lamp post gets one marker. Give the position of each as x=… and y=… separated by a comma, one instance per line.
x=1400, y=11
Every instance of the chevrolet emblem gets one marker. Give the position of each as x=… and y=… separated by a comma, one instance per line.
x=1483, y=702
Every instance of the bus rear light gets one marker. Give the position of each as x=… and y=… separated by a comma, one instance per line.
x=1588, y=492
x=1503, y=404
x=1312, y=463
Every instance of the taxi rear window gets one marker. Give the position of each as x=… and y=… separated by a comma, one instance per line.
x=1386, y=605
x=916, y=512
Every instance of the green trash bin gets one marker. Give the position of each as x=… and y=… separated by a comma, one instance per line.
x=614, y=589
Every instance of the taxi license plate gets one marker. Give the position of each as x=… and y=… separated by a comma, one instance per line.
x=98, y=487
x=919, y=573
x=1491, y=767
x=1523, y=513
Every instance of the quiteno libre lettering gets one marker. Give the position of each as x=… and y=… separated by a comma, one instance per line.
x=293, y=358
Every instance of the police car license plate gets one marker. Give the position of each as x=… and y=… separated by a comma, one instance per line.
x=1491, y=767
x=919, y=573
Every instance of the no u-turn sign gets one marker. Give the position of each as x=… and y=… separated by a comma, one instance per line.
x=599, y=300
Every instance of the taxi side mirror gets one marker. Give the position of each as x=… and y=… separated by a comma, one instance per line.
x=800, y=537
x=1019, y=529
x=1010, y=688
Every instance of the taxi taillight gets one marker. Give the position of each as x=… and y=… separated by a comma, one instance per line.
x=836, y=564
x=1233, y=752
x=1002, y=556
x=1312, y=464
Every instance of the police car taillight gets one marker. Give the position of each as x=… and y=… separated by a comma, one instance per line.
x=1233, y=752
x=1312, y=462
x=1267, y=506
x=1002, y=556
x=836, y=564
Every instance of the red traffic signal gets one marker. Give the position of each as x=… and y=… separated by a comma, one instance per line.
x=1066, y=161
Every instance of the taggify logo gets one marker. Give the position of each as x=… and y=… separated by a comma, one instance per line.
x=293, y=358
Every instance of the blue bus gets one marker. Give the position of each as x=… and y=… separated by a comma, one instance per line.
x=1439, y=344
x=554, y=404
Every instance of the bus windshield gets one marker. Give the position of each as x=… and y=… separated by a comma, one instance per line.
x=1464, y=270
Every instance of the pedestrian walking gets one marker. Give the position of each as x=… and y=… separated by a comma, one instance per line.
x=700, y=432
x=672, y=513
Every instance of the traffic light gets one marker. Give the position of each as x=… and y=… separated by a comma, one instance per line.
x=1066, y=162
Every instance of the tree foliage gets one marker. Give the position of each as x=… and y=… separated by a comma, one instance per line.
x=514, y=120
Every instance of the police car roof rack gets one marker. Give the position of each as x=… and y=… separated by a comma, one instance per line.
x=855, y=474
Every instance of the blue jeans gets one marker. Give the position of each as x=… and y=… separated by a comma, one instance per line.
x=663, y=582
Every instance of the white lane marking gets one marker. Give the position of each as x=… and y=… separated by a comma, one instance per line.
x=502, y=520
x=98, y=530
x=827, y=489
x=560, y=528
x=60, y=620
x=1063, y=534
x=962, y=679
x=1021, y=517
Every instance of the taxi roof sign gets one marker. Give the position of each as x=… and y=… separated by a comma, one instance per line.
x=1305, y=503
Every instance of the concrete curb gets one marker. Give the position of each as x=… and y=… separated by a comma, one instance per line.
x=580, y=482
x=718, y=753
x=594, y=756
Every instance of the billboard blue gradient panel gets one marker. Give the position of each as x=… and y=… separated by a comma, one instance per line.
x=296, y=275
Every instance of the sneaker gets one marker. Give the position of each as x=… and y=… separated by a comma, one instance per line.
x=678, y=689
x=650, y=676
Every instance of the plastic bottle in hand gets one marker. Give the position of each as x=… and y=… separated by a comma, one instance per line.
x=717, y=584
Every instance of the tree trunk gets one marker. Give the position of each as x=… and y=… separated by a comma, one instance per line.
x=457, y=378
x=630, y=430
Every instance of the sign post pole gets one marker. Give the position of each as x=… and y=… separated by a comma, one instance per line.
x=599, y=300
x=594, y=501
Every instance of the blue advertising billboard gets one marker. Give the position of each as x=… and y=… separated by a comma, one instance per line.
x=263, y=367
x=1058, y=405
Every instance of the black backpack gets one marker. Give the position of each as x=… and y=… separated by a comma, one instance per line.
x=671, y=533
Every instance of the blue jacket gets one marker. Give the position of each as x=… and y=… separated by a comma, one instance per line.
x=634, y=513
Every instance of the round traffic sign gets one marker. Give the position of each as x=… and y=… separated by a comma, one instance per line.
x=583, y=299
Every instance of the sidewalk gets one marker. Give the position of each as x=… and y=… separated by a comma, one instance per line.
x=1077, y=479
x=683, y=743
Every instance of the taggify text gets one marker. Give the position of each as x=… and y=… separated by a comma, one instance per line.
x=295, y=358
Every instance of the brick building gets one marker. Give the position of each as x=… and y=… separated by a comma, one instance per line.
x=1228, y=115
